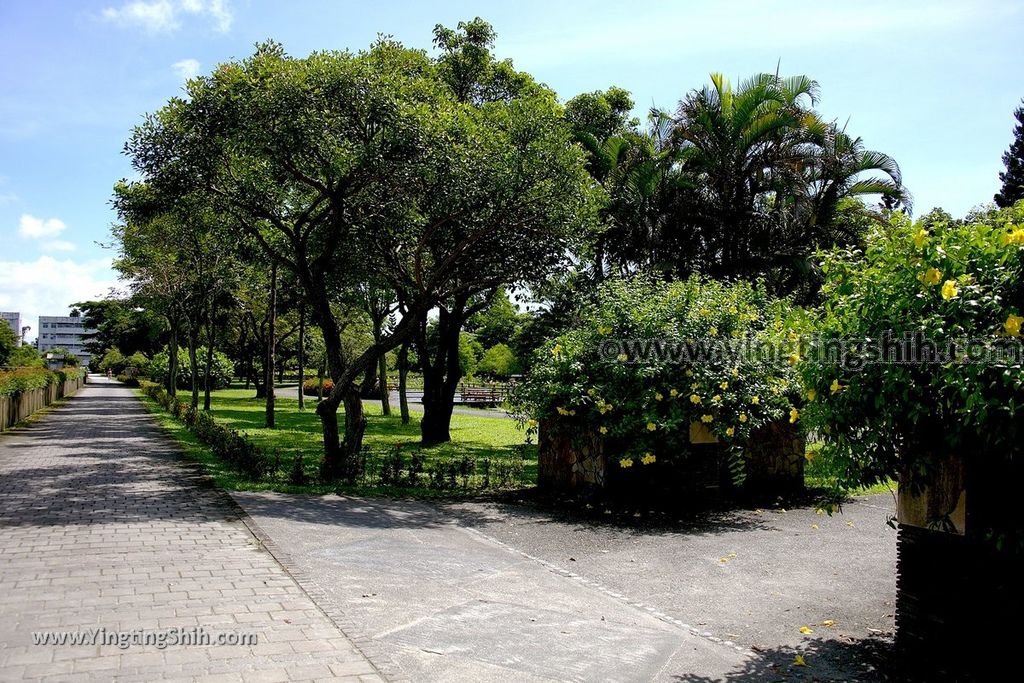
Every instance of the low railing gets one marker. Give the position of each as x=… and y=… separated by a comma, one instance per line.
x=18, y=406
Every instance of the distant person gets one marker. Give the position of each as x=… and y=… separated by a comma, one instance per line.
x=109, y=373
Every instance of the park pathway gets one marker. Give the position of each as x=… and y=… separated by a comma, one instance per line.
x=105, y=531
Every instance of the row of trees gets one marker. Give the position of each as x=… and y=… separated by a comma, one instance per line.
x=388, y=199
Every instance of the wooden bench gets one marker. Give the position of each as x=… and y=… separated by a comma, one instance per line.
x=482, y=394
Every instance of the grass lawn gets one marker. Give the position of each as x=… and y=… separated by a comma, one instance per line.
x=298, y=432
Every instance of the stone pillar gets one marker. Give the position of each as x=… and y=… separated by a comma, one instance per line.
x=775, y=460
x=569, y=461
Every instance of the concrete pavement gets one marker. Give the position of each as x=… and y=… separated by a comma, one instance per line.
x=448, y=603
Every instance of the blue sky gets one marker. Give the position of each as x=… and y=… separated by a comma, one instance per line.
x=933, y=83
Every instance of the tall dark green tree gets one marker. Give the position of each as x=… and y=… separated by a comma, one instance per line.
x=347, y=168
x=1013, y=177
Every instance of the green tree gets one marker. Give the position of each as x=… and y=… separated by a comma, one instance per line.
x=498, y=361
x=8, y=342
x=1013, y=159
x=342, y=166
x=120, y=324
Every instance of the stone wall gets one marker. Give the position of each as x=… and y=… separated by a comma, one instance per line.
x=574, y=462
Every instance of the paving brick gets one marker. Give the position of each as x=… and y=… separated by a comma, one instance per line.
x=103, y=525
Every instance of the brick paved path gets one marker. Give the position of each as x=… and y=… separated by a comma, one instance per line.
x=103, y=526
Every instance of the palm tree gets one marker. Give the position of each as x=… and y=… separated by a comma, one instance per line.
x=746, y=148
x=837, y=173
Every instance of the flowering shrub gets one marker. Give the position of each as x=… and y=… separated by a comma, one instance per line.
x=311, y=387
x=945, y=282
x=649, y=358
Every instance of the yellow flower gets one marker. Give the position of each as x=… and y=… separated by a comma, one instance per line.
x=729, y=431
x=706, y=418
x=572, y=412
x=1012, y=325
x=695, y=386
x=920, y=237
x=724, y=385
x=809, y=455
x=799, y=661
x=756, y=401
x=603, y=429
x=562, y=411
x=689, y=373
x=932, y=276
x=673, y=393
x=794, y=358
x=626, y=462
x=732, y=309
x=713, y=331
x=828, y=622
x=794, y=415
x=648, y=458
x=694, y=399
x=604, y=329
x=811, y=394
x=949, y=290
x=835, y=387
x=705, y=312
x=658, y=396
x=651, y=426
x=591, y=391
x=743, y=417
x=736, y=372
x=716, y=398
x=1015, y=237
x=622, y=358
x=530, y=424
x=806, y=630
x=734, y=333
x=556, y=350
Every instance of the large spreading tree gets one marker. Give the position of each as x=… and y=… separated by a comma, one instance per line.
x=374, y=166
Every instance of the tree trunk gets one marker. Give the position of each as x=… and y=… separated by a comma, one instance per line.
x=441, y=376
x=172, y=359
x=208, y=373
x=302, y=356
x=271, y=333
x=385, y=399
x=193, y=361
x=355, y=427
x=403, y=375
x=320, y=371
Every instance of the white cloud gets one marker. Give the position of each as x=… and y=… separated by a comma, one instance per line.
x=34, y=228
x=157, y=16
x=58, y=245
x=164, y=16
x=186, y=68
x=48, y=286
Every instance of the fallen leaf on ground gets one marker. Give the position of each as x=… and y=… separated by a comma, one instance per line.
x=828, y=622
x=799, y=661
x=806, y=630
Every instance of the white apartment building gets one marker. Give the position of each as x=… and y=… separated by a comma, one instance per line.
x=13, y=318
x=63, y=332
